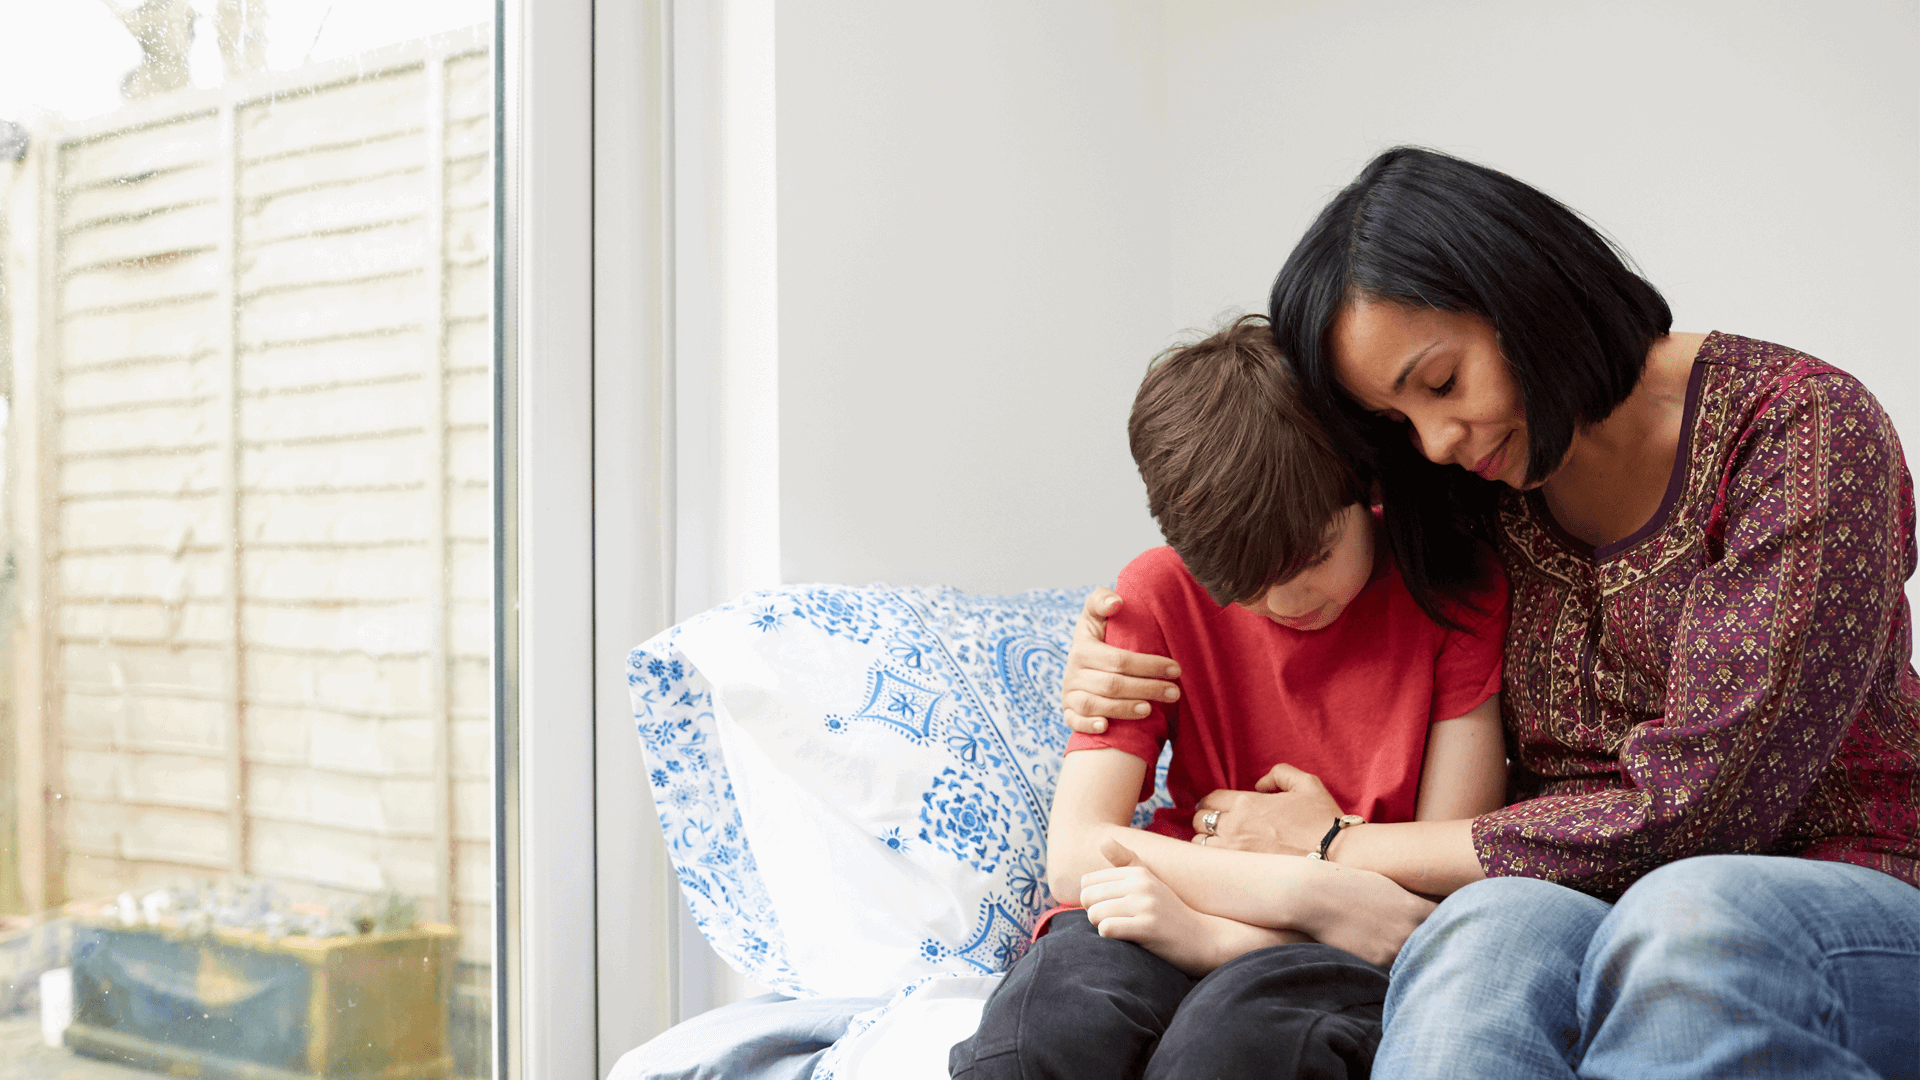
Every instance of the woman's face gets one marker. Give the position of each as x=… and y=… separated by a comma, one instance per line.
x=1441, y=373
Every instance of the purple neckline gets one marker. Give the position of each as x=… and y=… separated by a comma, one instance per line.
x=1676, y=480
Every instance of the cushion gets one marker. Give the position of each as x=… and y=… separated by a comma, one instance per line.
x=854, y=782
x=909, y=1037
x=770, y=1037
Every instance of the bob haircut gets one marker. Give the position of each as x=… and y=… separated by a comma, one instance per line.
x=1424, y=229
x=1242, y=480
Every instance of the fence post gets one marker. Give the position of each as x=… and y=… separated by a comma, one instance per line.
x=227, y=352
x=439, y=701
x=31, y=284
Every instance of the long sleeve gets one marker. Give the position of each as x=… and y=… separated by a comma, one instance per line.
x=1782, y=634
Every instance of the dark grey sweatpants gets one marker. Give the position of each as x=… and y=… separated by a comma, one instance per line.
x=1082, y=1006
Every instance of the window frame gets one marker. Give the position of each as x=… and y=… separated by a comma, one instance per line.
x=589, y=915
x=544, y=1008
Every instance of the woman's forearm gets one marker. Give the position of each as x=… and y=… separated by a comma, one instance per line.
x=1433, y=858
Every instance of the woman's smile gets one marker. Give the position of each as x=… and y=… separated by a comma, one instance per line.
x=1489, y=467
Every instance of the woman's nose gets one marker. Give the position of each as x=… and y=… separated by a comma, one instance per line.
x=1436, y=438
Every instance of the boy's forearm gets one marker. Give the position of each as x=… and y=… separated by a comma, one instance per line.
x=1280, y=892
x=1365, y=913
x=1096, y=792
x=1233, y=939
x=1072, y=853
x=1238, y=885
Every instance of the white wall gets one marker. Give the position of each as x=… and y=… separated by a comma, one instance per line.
x=973, y=275
x=992, y=214
x=1760, y=161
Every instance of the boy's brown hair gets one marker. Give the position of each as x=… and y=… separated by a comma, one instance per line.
x=1239, y=474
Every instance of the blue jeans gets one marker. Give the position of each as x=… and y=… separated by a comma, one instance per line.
x=1721, y=965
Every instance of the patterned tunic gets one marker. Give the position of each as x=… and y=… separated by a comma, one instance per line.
x=1735, y=676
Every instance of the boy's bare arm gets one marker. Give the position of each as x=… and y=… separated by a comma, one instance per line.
x=1356, y=910
x=1096, y=794
x=1128, y=903
x=1465, y=772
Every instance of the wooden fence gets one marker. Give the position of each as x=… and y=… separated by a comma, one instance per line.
x=248, y=469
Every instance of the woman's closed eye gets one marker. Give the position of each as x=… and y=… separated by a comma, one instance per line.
x=1446, y=388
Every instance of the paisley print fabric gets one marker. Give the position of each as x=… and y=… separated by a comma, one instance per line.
x=854, y=783
x=1735, y=676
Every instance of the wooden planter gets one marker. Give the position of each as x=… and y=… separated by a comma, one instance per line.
x=233, y=1005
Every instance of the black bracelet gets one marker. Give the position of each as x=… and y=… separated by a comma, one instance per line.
x=1344, y=821
x=1327, y=840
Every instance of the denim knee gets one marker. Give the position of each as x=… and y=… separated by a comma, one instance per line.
x=1726, y=898
x=1494, y=911
x=1486, y=987
x=1755, y=965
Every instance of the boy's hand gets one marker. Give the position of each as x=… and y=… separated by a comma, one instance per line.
x=1104, y=681
x=1129, y=904
x=1286, y=814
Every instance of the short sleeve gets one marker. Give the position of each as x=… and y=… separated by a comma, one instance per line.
x=1136, y=627
x=1467, y=671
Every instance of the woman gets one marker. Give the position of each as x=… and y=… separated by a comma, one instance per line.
x=1710, y=864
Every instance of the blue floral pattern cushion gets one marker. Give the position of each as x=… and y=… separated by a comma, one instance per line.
x=854, y=782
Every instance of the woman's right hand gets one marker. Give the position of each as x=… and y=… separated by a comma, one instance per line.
x=1103, y=681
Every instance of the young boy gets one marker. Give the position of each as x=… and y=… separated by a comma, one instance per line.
x=1299, y=648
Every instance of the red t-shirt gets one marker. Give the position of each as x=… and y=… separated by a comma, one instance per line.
x=1349, y=703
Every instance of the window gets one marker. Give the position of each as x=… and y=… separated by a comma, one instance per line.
x=246, y=713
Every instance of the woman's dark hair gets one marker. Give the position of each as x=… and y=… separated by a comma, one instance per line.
x=1424, y=229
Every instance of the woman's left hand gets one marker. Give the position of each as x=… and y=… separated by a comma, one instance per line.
x=1286, y=814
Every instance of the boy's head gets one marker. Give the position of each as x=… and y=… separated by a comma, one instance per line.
x=1245, y=485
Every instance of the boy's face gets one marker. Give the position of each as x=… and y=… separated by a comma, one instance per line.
x=1315, y=597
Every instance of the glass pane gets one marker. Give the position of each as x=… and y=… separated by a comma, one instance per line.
x=246, y=744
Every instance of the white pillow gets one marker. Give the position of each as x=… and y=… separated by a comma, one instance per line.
x=854, y=783
x=910, y=1036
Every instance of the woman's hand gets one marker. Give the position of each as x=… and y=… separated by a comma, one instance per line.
x=1286, y=814
x=1103, y=681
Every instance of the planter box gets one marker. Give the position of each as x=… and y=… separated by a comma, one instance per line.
x=233, y=1004
x=25, y=952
